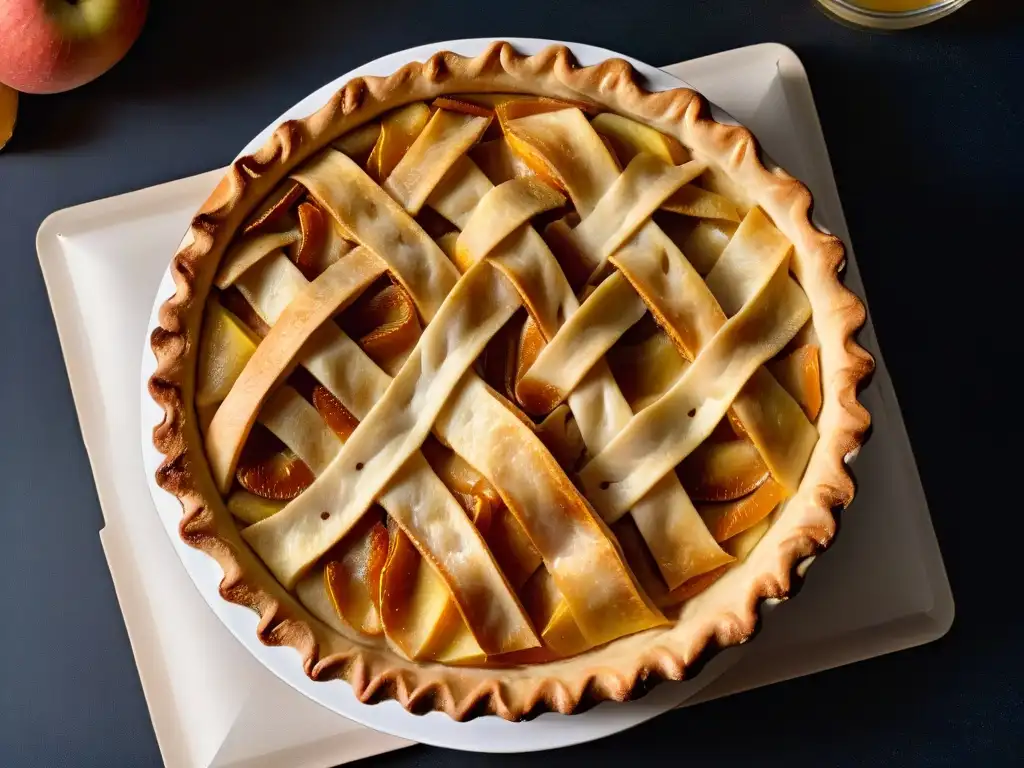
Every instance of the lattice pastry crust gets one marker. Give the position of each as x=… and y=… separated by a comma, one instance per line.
x=535, y=453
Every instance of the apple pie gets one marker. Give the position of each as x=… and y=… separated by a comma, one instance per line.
x=502, y=386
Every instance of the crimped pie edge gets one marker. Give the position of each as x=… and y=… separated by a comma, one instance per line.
x=727, y=613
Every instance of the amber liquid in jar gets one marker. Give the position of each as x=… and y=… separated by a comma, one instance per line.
x=890, y=14
x=893, y=5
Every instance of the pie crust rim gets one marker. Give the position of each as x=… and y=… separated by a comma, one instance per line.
x=724, y=615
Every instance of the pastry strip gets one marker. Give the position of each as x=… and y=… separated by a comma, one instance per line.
x=448, y=136
x=698, y=202
x=249, y=251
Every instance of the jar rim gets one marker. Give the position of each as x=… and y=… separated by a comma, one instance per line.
x=849, y=10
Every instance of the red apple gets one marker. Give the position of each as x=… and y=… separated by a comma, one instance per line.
x=48, y=46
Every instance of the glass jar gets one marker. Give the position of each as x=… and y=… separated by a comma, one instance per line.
x=891, y=14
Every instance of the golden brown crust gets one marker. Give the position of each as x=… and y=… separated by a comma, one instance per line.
x=723, y=615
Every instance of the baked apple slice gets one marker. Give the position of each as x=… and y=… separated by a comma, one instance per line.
x=313, y=236
x=455, y=104
x=455, y=472
x=511, y=547
x=645, y=370
x=225, y=346
x=742, y=544
x=629, y=138
x=453, y=643
x=535, y=162
x=695, y=201
x=531, y=342
x=271, y=471
x=693, y=587
x=722, y=471
x=558, y=236
x=338, y=417
x=352, y=574
x=498, y=362
x=728, y=519
x=385, y=324
x=275, y=206
x=433, y=223
x=702, y=240
x=512, y=108
x=250, y=508
x=359, y=143
x=498, y=162
x=799, y=373
x=398, y=131
x=550, y=614
x=447, y=243
x=234, y=302
x=561, y=436
x=646, y=570
x=418, y=615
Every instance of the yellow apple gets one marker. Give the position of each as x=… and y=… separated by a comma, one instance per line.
x=8, y=113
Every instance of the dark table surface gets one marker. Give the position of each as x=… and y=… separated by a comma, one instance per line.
x=924, y=129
